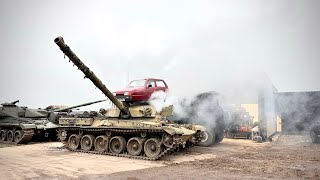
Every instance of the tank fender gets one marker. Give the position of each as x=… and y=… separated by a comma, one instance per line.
x=105, y=123
x=196, y=128
x=172, y=131
x=27, y=126
x=51, y=125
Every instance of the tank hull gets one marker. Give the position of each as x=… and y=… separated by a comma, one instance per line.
x=139, y=139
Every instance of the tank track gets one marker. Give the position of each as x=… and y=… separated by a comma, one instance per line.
x=168, y=150
x=27, y=135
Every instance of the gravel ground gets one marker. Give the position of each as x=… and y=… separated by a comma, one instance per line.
x=288, y=157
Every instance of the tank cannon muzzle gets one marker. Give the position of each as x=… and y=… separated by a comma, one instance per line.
x=90, y=75
x=59, y=41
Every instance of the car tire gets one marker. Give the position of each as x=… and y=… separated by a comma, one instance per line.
x=249, y=136
x=219, y=137
x=208, y=139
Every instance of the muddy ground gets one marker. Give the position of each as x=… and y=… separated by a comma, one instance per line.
x=289, y=157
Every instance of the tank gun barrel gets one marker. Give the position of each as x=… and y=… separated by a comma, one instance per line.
x=15, y=102
x=80, y=105
x=89, y=74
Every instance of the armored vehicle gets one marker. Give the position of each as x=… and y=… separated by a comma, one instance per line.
x=127, y=131
x=19, y=124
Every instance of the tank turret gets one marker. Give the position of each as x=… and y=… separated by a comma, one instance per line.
x=53, y=112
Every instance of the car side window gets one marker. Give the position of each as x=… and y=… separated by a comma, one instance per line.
x=160, y=84
x=151, y=82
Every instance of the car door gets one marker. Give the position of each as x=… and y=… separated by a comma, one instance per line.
x=161, y=85
x=150, y=88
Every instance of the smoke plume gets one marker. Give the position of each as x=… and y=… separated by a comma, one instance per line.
x=203, y=108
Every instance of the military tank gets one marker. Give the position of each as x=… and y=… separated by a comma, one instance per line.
x=19, y=124
x=126, y=131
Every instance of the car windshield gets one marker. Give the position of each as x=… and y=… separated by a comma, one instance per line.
x=137, y=83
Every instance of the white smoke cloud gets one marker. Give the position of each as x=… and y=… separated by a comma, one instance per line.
x=299, y=110
x=203, y=109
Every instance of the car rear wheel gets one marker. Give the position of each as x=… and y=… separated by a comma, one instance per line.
x=219, y=137
x=207, y=138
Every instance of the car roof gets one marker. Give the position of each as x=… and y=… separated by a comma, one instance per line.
x=148, y=79
x=154, y=79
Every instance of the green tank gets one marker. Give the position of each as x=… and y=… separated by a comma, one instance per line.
x=19, y=124
x=127, y=131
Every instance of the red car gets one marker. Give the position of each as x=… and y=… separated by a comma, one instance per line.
x=141, y=90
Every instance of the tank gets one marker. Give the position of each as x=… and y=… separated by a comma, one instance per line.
x=19, y=124
x=127, y=131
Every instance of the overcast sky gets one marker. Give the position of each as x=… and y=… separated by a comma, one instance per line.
x=194, y=45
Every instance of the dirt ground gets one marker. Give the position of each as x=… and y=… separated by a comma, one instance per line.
x=288, y=157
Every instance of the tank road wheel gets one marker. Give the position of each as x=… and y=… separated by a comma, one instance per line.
x=17, y=136
x=101, y=143
x=74, y=141
x=135, y=146
x=87, y=142
x=62, y=135
x=167, y=140
x=10, y=135
x=152, y=147
x=117, y=144
x=3, y=134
